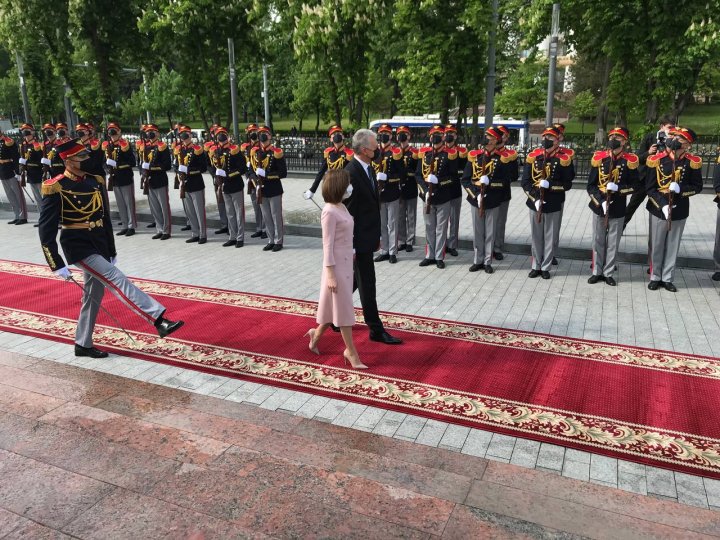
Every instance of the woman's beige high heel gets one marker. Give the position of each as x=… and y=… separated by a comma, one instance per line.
x=313, y=344
x=355, y=363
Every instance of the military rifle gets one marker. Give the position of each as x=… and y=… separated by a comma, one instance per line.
x=219, y=180
x=260, y=179
x=543, y=176
x=670, y=196
x=109, y=155
x=481, y=202
x=23, y=167
x=431, y=187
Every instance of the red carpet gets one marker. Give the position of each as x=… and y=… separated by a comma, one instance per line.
x=655, y=407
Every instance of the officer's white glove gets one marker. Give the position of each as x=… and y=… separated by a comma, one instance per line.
x=111, y=163
x=46, y=161
x=612, y=186
x=666, y=211
x=181, y=168
x=484, y=180
x=308, y=195
x=63, y=272
x=146, y=166
x=23, y=161
x=18, y=178
x=113, y=260
x=220, y=172
x=478, y=196
x=381, y=176
x=605, y=207
x=260, y=171
x=537, y=204
x=544, y=184
x=432, y=179
x=674, y=186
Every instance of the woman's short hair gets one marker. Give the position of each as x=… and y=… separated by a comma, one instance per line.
x=335, y=182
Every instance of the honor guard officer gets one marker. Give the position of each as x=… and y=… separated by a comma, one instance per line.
x=716, y=252
x=154, y=161
x=120, y=160
x=456, y=201
x=436, y=177
x=548, y=175
x=192, y=162
x=51, y=162
x=334, y=157
x=9, y=168
x=407, y=220
x=251, y=132
x=94, y=163
x=389, y=171
x=570, y=153
x=209, y=146
x=77, y=203
x=613, y=176
x=229, y=163
x=268, y=168
x=63, y=133
x=177, y=144
x=486, y=176
x=672, y=177
x=513, y=170
x=31, y=154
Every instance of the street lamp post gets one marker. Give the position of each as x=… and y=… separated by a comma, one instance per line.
x=490, y=79
x=266, y=97
x=23, y=88
x=233, y=87
x=552, y=57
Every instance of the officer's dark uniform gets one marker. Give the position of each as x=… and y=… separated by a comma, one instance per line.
x=514, y=174
x=122, y=178
x=229, y=159
x=9, y=168
x=95, y=164
x=334, y=157
x=209, y=147
x=193, y=157
x=31, y=154
x=716, y=251
x=251, y=132
x=272, y=160
x=157, y=156
x=456, y=201
x=52, y=164
x=389, y=171
x=408, y=194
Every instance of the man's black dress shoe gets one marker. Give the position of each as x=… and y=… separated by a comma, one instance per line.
x=534, y=273
x=152, y=226
x=401, y=247
x=36, y=225
x=440, y=264
x=165, y=327
x=192, y=240
x=554, y=261
x=202, y=241
x=229, y=243
x=165, y=237
x=239, y=243
x=381, y=258
x=257, y=234
x=393, y=259
x=122, y=232
x=268, y=247
x=263, y=235
x=592, y=280
x=157, y=236
x=223, y=230
x=131, y=232
x=21, y=222
x=92, y=352
x=384, y=337
x=476, y=267
x=545, y=274
x=498, y=256
x=452, y=252
x=654, y=285
x=669, y=286
x=186, y=228
x=715, y=276
x=488, y=269
x=13, y=222
x=409, y=248
x=427, y=262
x=610, y=281
x=277, y=247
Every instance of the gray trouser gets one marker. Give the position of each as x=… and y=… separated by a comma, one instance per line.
x=160, y=209
x=37, y=194
x=606, y=245
x=272, y=213
x=235, y=211
x=543, y=237
x=186, y=203
x=454, y=219
x=556, y=237
x=389, y=214
x=222, y=211
x=665, y=247
x=196, y=213
x=436, y=226
x=257, y=209
x=407, y=221
x=499, y=245
x=484, y=234
x=716, y=252
x=16, y=197
x=100, y=274
x=125, y=199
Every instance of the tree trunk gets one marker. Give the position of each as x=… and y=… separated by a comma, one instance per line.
x=170, y=122
x=475, y=127
x=300, y=124
x=395, y=98
x=333, y=100
x=445, y=107
x=359, y=111
x=317, y=118
x=685, y=97
x=622, y=117
x=461, y=113
x=203, y=116
x=602, y=112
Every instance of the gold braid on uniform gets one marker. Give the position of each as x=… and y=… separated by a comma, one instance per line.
x=339, y=163
x=664, y=180
x=605, y=177
x=478, y=170
x=85, y=211
x=428, y=169
x=541, y=174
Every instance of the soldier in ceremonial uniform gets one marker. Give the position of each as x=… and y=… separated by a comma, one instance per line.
x=407, y=219
x=94, y=164
x=9, y=168
x=716, y=252
x=436, y=177
x=251, y=132
x=671, y=178
x=613, y=176
x=267, y=168
x=192, y=162
x=570, y=153
x=77, y=203
x=209, y=146
x=31, y=152
x=120, y=160
x=389, y=171
x=485, y=179
x=513, y=172
x=334, y=157
x=51, y=162
x=154, y=161
x=229, y=164
x=456, y=201
x=548, y=175
x=63, y=133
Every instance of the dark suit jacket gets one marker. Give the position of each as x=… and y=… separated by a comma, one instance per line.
x=364, y=207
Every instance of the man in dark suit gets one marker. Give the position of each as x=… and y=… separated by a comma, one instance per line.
x=364, y=206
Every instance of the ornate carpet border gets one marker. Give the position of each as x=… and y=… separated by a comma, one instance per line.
x=563, y=427
x=667, y=361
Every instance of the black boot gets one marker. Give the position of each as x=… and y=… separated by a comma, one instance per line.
x=165, y=327
x=92, y=352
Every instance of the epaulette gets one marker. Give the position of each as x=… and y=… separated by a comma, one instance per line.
x=397, y=152
x=567, y=151
x=37, y=146
x=244, y=145
x=652, y=161
x=208, y=144
x=462, y=152
x=327, y=151
x=161, y=146
x=277, y=152
x=424, y=150
x=565, y=159
x=473, y=155
x=413, y=151
x=234, y=149
x=94, y=144
x=197, y=149
x=597, y=157
x=52, y=185
x=100, y=179
x=139, y=144
x=632, y=160
x=124, y=145
x=718, y=160
x=253, y=151
x=695, y=161
x=105, y=144
x=532, y=156
x=507, y=155
x=8, y=141
x=349, y=152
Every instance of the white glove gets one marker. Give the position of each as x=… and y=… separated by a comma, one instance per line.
x=537, y=204
x=46, y=161
x=308, y=195
x=181, y=168
x=605, y=207
x=666, y=211
x=432, y=179
x=23, y=161
x=63, y=272
x=544, y=184
x=146, y=166
x=484, y=179
x=113, y=260
x=381, y=176
x=478, y=196
x=111, y=163
x=612, y=186
x=18, y=178
x=220, y=172
x=674, y=186
x=260, y=171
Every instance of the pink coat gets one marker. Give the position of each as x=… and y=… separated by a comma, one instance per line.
x=337, y=234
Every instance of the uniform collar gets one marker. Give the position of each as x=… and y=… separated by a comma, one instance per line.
x=71, y=176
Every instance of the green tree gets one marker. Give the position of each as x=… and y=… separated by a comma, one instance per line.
x=583, y=107
x=524, y=90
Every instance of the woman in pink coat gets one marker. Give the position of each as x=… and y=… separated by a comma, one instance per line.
x=336, y=286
